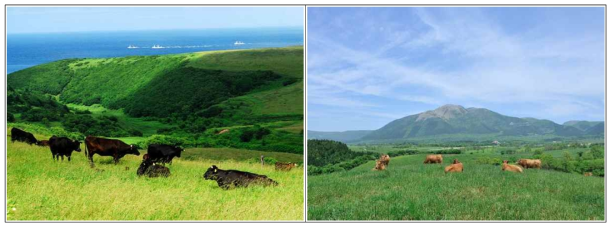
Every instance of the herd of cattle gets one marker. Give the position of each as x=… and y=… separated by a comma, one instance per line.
x=457, y=166
x=153, y=164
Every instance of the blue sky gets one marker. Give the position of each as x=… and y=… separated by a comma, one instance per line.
x=368, y=66
x=82, y=19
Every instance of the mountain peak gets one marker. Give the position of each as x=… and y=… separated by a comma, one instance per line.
x=445, y=112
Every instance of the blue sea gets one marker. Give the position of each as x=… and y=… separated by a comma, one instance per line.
x=26, y=50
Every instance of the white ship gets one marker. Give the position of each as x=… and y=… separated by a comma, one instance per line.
x=238, y=43
x=157, y=47
x=132, y=47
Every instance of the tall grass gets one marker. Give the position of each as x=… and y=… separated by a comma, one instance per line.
x=409, y=190
x=40, y=189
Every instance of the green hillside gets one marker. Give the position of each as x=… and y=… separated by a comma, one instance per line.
x=410, y=190
x=470, y=123
x=345, y=136
x=185, y=96
x=39, y=189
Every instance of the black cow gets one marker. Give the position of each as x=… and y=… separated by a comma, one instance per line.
x=163, y=153
x=150, y=169
x=232, y=178
x=108, y=147
x=23, y=136
x=62, y=146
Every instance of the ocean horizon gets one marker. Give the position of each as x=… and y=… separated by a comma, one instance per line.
x=26, y=50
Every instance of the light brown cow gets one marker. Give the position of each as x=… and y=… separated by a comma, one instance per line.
x=530, y=163
x=223, y=131
x=284, y=166
x=588, y=174
x=455, y=167
x=433, y=159
x=512, y=168
x=382, y=163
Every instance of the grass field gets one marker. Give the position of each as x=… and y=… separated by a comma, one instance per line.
x=409, y=190
x=40, y=189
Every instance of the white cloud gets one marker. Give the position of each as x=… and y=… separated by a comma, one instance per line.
x=562, y=75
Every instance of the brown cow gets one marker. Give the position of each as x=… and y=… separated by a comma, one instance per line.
x=588, y=174
x=455, y=167
x=382, y=162
x=223, y=131
x=433, y=159
x=530, y=163
x=108, y=147
x=42, y=143
x=512, y=168
x=284, y=166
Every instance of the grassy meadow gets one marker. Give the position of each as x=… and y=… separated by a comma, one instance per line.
x=40, y=189
x=410, y=190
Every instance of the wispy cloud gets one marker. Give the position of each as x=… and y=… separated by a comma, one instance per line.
x=428, y=57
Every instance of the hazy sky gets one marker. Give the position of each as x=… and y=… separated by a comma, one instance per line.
x=369, y=66
x=79, y=19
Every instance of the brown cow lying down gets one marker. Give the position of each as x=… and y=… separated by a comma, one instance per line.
x=588, y=174
x=455, y=167
x=512, y=168
x=530, y=163
x=284, y=166
x=433, y=159
x=382, y=162
x=42, y=143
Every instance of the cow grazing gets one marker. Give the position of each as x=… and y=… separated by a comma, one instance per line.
x=163, y=153
x=588, y=174
x=42, y=143
x=108, y=147
x=382, y=162
x=23, y=136
x=148, y=168
x=62, y=146
x=227, y=179
x=512, y=168
x=530, y=163
x=284, y=166
x=455, y=167
x=433, y=159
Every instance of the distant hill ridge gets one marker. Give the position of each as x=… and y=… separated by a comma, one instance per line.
x=457, y=120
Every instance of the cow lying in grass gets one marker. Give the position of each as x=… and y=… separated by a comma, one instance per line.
x=42, y=143
x=512, y=168
x=148, y=168
x=588, y=174
x=433, y=159
x=530, y=163
x=382, y=163
x=284, y=166
x=455, y=167
x=227, y=179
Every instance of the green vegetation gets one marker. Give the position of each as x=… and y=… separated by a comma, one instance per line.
x=40, y=189
x=410, y=190
x=216, y=105
x=257, y=94
x=456, y=123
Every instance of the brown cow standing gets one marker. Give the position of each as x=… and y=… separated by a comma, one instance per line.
x=284, y=166
x=382, y=163
x=530, y=163
x=108, y=147
x=512, y=168
x=455, y=167
x=433, y=159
